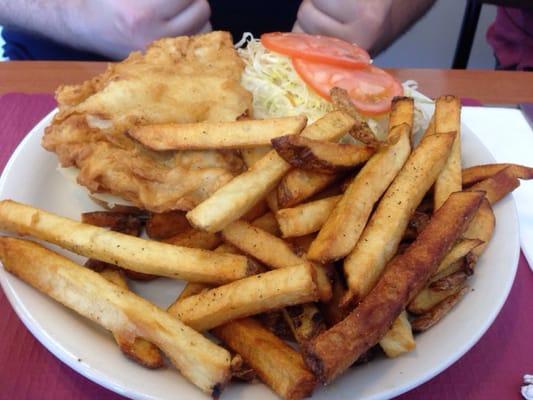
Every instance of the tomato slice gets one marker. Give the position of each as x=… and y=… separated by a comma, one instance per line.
x=323, y=49
x=370, y=88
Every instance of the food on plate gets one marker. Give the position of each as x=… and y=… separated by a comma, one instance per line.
x=305, y=218
x=429, y=297
x=275, y=362
x=165, y=225
x=447, y=118
x=272, y=251
x=198, y=359
x=460, y=250
x=249, y=296
x=399, y=338
x=481, y=172
x=177, y=80
x=216, y=135
x=140, y=350
x=304, y=320
x=299, y=185
x=321, y=156
x=482, y=227
x=380, y=238
x=341, y=231
x=331, y=352
x=235, y=198
x=129, y=252
x=498, y=185
x=195, y=238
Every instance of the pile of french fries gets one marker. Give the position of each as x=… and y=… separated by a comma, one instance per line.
x=340, y=248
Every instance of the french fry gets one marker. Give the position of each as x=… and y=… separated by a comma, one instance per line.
x=268, y=223
x=250, y=157
x=399, y=338
x=321, y=156
x=195, y=239
x=498, y=185
x=482, y=227
x=379, y=241
x=416, y=223
x=481, y=172
x=305, y=218
x=164, y=225
x=129, y=224
x=129, y=252
x=202, y=362
x=448, y=119
x=276, y=363
x=332, y=311
x=449, y=281
x=334, y=350
x=402, y=112
x=361, y=131
x=256, y=211
x=346, y=222
x=458, y=251
x=249, y=296
x=299, y=185
x=275, y=322
x=430, y=318
x=305, y=321
x=241, y=371
x=140, y=350
x=271, y=251
x=430, y=297
x=216, y=135
x=240, y=194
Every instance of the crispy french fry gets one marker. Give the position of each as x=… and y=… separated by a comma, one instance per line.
x=241, y=371
x=276, y=363
x=430, y=318
x=140, y=350
x=481, y=172
x=120, y=311
x=129, y=224
x=430, y=297
x=129, y=252
x=268, y=223
x=334, y=350
x=305, y=218
x=482, y=227
x=449, y=281
x=275, y=322
x=164, y=225
x=305, y=321
x=240, y=194
x=458, y=251
x=498, y=185
x=332, y=311
x=346, y=222
x=249, y=296
x=271, y=251
x=379, y=241
x=299, y=185
x=250, y=157
x=195, y=239
x=399, y=338
x=321, y=156
x=402, y=112
x=416, y=223
x=256, y=211
x=216, y=135
x=448, y=119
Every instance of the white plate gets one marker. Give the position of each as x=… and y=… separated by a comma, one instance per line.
x=31, y=177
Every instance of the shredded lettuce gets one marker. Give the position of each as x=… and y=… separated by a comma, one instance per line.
x=278, y=90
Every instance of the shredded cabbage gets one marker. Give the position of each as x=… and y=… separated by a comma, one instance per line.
x=278, y=90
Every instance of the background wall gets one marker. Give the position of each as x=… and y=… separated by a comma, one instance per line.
x=431, y=42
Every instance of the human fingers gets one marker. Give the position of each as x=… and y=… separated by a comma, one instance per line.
x=342, y=11
x=313, y=21
x=168, y=9
x=191, y=20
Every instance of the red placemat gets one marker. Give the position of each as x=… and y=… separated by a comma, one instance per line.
x=492, y=369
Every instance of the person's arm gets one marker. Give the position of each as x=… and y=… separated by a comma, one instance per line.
x=372, y=24
x=112, y=28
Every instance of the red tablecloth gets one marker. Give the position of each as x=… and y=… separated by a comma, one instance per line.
x=493, y=369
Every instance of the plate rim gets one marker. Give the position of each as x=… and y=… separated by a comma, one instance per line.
x=106, y=380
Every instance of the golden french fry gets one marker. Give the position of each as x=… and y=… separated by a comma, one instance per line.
x=129, y=224
x=195, y=239
x=276, y=363
x=458, y=251
x=299, y=185
x=249, y=296
x=448, y=119
x=126, y=251
x=334, y=350
x=430, y=318
x=164, y=225
x=305, y=321
x=305, y=218
x=430, y=297
x=449, y=281
x=240, y=194
x=399, y=338
x=140, y=350
x=271, y=251
x=321, y=156
x=202, y=362
x=216, y=135
x=268, y=223
x=344, y=226
x=482, y=227
x=498, y=185
x=481, y=172
x=379, y=241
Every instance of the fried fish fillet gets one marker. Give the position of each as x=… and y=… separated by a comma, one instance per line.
x=183, y=79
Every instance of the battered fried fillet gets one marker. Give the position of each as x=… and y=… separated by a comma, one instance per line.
x=183, y=79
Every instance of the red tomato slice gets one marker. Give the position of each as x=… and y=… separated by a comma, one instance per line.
x=370, y=88
x=323, y=49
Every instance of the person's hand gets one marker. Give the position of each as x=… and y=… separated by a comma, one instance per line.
x=363, y=22
x=116, y=27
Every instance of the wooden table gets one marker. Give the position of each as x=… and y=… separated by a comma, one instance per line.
x=490, y=87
